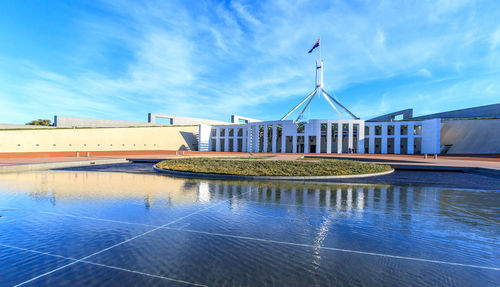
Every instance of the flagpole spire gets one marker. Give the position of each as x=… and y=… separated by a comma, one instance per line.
x=318, y=90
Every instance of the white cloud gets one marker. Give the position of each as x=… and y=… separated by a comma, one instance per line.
x=211, y=60
x=495, y=39
x=424, y=73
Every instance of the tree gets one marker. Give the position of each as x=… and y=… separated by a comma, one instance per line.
x=39, y=122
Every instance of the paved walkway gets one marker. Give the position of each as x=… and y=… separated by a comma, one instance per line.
x=401, y=161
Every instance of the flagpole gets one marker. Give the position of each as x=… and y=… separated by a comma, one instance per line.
x=319, y=41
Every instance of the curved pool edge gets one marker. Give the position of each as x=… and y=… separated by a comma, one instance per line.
x=254, y=177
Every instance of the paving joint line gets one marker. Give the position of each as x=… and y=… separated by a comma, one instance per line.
x=123, y=242
x=337, y=249
x=100, y=264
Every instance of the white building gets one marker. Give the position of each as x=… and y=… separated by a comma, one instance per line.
x=323, y=136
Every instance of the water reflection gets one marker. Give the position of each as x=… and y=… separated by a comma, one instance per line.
x=227, y=226
x=352, y=199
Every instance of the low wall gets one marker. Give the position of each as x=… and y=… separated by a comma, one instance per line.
x=471, y=136
x=69, y=122
x=99, y=139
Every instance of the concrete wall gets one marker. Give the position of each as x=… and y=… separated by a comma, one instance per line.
x=101, y=139
x=69, y=122
x=178, y=120
x=471, y=136
x=407, y=114
x=16, y=126
x=488, y=111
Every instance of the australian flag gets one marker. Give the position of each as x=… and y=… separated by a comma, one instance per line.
x=314, y=47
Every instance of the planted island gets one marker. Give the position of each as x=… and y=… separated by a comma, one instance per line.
x=278, y=168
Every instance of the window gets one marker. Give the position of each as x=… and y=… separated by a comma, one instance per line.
x=417, y=129
x=324, y=127
x=390, y=130
x=231, y=132
x=222, y=132
x=240, y=132
x=378, y=130
x=367, y=130
x=404, y=130
x=300, y=128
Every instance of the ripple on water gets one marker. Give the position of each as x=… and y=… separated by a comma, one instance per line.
x=243, y=233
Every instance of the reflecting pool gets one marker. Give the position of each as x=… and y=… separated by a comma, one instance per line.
x=81, y=228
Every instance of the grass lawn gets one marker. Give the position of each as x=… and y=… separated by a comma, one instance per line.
x=326, y=167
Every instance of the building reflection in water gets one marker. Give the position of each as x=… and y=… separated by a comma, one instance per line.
x=400, y=205
x=56, y=186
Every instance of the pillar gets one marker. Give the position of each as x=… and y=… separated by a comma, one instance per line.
x=248, y=142
x=294, y=144
x=217, y=139
x=361, y=137
x=283, y=139
x=235, y=139
x=350, y=140
x=397, y=138
x=371, y=142
x=383, y=142
x=226, y=140
x=275, y=137
x=265, y=142
x=256, y=138
x=340, y=133
x=329, y=138
x=411, y=149
x=318, y=138
x=306, y=142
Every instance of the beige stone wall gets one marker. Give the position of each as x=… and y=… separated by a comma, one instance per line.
x=99, y=139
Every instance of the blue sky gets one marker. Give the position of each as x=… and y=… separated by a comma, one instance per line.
x=123, y=59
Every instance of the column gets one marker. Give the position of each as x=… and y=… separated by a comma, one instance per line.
x=275, y=138
x=371, y=142
x=209, y=141
x=340, y=133
x=217, y=139
x=397, y=138
x=248, y=140
x=383, y=142
x=256, y=138
x=283, y=139
x=361, y=137
x=350, y=136
x=294, y=144
x=410, y=138
x=318, y=138
x=264, y=148
x=329, y=138
x=226, y=140
x=306, y=142
x=235, y=139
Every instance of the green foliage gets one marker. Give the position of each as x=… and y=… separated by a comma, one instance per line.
x=39, y=122
x=272, y=168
